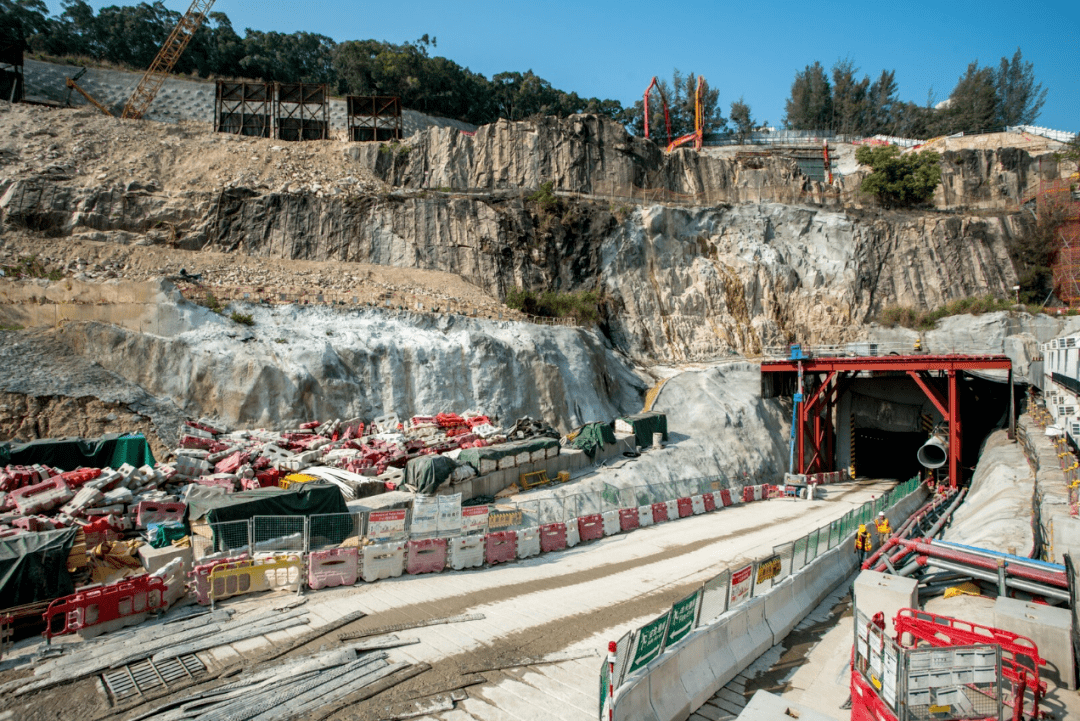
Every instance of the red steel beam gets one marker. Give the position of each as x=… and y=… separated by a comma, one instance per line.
x=931, y=393
x=892, y=363
x=954, y=431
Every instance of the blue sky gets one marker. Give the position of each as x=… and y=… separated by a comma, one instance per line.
x=612, y=49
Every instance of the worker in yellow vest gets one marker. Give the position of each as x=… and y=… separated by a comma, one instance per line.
x=883, y=529
x=864, y=543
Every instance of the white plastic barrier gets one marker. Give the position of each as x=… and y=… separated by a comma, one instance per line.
x=382, y=560
x=698, y=504
x=672, y=510
x=573, y=537
x=466, y=552
x=611, y=523
x=645, y=516
x=528, y=542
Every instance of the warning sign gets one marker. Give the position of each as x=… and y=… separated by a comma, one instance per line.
x=768, y=569
x=425, y=515
x=741, y=581
x=386, y=524
x=474, y=519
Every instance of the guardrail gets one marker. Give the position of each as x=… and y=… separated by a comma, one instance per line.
x=862, y=349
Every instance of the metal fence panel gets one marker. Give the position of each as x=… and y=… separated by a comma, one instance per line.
x=333, y=530
x=224, y=537
x=622, y=657
x=798, y=553
x=714, y=598
x=279, y=533
x=786, y=552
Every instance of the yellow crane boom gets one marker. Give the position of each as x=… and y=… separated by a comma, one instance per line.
x=147, y=89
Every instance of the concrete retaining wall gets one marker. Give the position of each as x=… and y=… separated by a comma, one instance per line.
x=683, y=678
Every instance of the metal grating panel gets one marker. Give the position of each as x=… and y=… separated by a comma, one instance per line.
x=145, y=675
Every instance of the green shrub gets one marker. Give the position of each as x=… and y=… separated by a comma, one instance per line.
x=899, y=180
x=211, y=303
x=12, y=327
x=544, y=197
x=30, y=267
x=927, y=319
x=582, y=307
x=281, y=340
x=242, y=318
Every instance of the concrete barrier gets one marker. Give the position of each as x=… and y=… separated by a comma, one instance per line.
x=783, y=609
x=667, y=695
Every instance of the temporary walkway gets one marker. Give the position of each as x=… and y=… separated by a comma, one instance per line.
x=821, y=380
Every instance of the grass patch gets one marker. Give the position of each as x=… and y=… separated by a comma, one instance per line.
x=242, y=318
x=30, y=267
x=281, y=340
x=545, y=196
x=582, y=307
x=211, y=303
x=13, y=327
x=917, y=319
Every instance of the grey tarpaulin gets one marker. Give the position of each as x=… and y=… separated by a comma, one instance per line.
x=427, y=473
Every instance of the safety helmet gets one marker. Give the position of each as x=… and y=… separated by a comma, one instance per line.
x=881, y=514
x=862, y=526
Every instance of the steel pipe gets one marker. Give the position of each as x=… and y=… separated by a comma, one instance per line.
x=983, y=575
x=934, y=453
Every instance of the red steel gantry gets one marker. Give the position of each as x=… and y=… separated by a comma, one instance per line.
x=840, y=371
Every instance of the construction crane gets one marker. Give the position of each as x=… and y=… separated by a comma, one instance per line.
x=147, y=89
x=663, y=99
x=698, y=136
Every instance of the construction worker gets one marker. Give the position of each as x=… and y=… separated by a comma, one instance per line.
x=883, y=529
x=863, y=542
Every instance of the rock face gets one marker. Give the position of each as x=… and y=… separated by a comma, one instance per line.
x=302, y=363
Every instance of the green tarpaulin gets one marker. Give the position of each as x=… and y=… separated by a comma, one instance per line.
x=33, y=567
x=644, y=425
x=67, y=454
x=473, y=456
x=304, y=499
x=593, y=436
x=427, y=473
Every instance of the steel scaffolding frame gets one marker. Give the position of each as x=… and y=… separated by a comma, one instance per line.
x=301, y=111
x=373, y=117
x=244, y=108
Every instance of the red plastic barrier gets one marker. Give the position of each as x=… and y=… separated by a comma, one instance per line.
x=80, y=476
x=725, y=497
x=710, y=502
x=102, y=605
x=500, y=547
x=659, y=512
x=686, y=507
x=148, y=512
x=629, y=519
x=552, y=537
x=591, y=527
x=42, y=496
x=426, y=556
x=333, y=567
x=747, y=494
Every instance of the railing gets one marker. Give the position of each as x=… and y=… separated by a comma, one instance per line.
x=862, y=349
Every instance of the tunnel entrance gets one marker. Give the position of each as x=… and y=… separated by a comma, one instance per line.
x=887, y=454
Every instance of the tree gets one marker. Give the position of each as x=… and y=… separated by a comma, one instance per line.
x=23, y=23
x=899, y=179
x=810, y=105
x=1020, y=98
x=882, y=103
x=742, y=119
x=850, y=105
x=973, y=104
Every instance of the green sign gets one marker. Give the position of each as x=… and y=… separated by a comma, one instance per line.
x=605, y=677
x=683, y=618
x=650, y=642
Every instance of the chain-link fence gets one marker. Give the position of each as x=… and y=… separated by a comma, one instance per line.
x=279, y=533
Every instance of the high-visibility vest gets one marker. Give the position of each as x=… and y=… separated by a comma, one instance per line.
x=883, y=527
x=863, y=541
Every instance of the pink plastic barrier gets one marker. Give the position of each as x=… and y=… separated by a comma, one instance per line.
x=747, y=494
x=426, y=556
x=591, y=527
x=629, y=519
x=659, y=512
x=500, y=547
x=710, y=502
x=108, y=603
x=686, y=507
x=148, y=512
x=333, y=567
x=42, y=496
x=552, y=537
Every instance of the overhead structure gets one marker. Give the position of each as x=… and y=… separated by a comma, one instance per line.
x=244, y=108
x=1059, y=202
x=821, y=380
x=698, y=136
x=147, y=89
x=663, y=99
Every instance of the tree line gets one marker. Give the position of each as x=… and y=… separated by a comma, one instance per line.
x=985, y=99
x=131, y=37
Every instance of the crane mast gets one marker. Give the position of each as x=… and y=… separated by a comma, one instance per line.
x=147, y=89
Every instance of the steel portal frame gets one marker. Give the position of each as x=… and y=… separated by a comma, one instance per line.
x=839, y=372
x=302, y=109
x=376, y=115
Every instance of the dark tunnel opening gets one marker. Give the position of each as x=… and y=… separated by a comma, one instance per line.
x=887, y=454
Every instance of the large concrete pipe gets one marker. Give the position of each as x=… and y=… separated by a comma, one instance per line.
x=935, y=452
